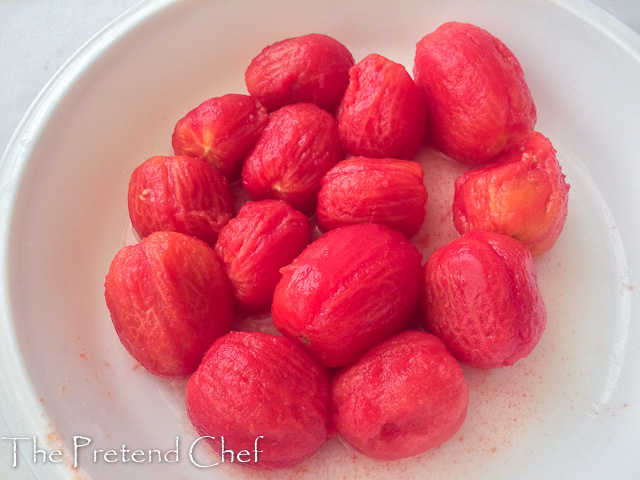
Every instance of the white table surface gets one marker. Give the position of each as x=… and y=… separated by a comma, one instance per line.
x=38, y=36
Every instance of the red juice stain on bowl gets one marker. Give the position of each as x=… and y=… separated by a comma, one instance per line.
x=440, y=173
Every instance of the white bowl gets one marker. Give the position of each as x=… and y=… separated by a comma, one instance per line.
x=570, y=410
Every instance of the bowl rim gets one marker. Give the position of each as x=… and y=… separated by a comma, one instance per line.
x=20, y=407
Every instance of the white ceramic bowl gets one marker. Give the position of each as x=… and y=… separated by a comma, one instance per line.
x=570, y=410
